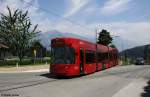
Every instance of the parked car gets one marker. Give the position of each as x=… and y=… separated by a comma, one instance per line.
x=139, y=61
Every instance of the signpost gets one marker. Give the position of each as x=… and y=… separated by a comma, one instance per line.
x=34, y=51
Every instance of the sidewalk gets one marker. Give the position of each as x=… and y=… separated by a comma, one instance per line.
x=134, y=89
x=33, y=68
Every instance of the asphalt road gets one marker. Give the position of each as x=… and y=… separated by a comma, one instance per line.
x=120, y=81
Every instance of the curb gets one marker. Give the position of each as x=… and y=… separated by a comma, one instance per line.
x=27, y=71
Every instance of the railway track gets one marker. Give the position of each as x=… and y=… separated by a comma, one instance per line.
x=137, y=72
x=8, y=85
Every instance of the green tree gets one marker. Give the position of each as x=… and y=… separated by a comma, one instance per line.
x=125, y=55
x=147, y=53
x=17, y=31
x=113, y=46
x=104, y=38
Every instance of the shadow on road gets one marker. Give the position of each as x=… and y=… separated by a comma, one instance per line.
x=30, y=83
x=48, y=75
x=146, y=90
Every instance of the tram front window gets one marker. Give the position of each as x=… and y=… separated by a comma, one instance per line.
x=63, y=55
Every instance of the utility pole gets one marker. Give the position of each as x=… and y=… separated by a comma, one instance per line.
x=96, y=32
x=96, y=49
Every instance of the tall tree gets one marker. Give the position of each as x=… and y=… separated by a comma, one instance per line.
x=104, y=38
x=113, y=46
x=17, y=32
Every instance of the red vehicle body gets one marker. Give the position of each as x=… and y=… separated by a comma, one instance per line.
x=71, y=57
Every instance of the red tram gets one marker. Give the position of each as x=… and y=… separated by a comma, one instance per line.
x=71, y=57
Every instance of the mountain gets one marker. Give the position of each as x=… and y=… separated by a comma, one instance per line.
x=134, y=52
x=46, y=37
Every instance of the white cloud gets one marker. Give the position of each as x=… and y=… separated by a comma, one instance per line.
x=37, y=16
x=115, y=6
x=130, y=33
x=90, y=10
x=66, y=26
x=75, y=6
x=134, y=33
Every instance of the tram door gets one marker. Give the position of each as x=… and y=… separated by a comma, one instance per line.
x=81, y=61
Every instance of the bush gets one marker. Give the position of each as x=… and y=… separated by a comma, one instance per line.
x=27, y=61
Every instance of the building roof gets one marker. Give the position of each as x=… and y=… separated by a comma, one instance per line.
x=3, y=46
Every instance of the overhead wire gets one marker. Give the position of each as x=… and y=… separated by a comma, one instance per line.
x=58, y=15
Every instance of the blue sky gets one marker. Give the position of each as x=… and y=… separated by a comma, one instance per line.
x=129, y=19
x=98, y=10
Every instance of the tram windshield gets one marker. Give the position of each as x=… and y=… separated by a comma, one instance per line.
x=63, y=55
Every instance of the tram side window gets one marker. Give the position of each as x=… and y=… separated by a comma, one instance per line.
x=100, y=56
x=90, y=56
x=110, y=55
x=114, y=56
x=105, y=56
